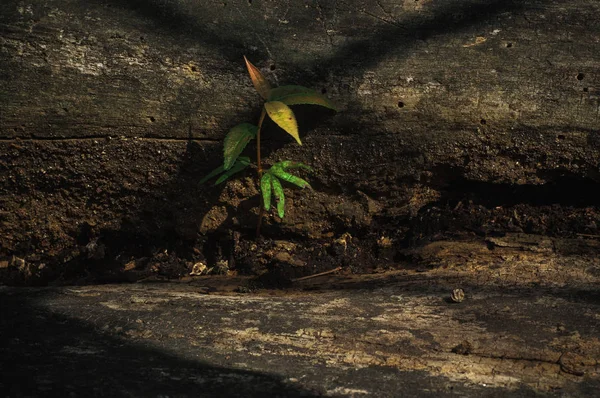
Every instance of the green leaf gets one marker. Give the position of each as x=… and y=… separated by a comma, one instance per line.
x=235, y=142
x=298, y=95
x=260, y=82
x=278, y=191
x=290, y=164
x=271, y=184
x=265, y=187
x=284, y=117
x=279, y=170
x=239, y=165
x=212, y=174
x=284, y=175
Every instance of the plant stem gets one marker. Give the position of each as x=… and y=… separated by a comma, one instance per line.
x=260, y=122
x=261, y=212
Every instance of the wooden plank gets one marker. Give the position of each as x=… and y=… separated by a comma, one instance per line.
x=517, y=333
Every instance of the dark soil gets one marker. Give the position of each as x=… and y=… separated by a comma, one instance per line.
x=278, y=257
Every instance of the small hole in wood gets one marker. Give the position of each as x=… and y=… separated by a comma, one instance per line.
x=400, y=104
x=483, y=122
x=561, y=137
x=273, y=67
x=580, y=76
x=152, y=119
x=585, y=89
x=509, y=45
x=194, y=69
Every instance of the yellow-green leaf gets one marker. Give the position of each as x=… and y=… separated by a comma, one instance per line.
x=235, y=142
x=299, y=95
x=308, y=99
x=260, y=82
x=280, y=92
x=284, y=117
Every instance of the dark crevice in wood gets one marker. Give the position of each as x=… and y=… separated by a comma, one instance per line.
x=564, y=191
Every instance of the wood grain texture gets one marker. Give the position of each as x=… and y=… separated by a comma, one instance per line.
x=110, y=112
x=528, y=326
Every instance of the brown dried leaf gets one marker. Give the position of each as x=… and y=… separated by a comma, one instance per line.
x=260, y=82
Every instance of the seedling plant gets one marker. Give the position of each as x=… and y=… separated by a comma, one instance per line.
x=277, y=106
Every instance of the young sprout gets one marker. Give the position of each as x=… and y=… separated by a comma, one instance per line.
x=277, y=106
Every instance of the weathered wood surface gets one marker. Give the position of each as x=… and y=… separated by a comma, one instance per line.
x=456, y=117
x=111, y=111
x=528, y=326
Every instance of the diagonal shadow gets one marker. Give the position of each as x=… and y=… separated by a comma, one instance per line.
x=50, y=354
x=171, y=18
x=53, y=346
x=360, y=55
x=55, y=343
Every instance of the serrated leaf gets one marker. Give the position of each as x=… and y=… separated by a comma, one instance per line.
x=265, y=188
x=279, y=195
x=212, y=174
x=235, y=142
x=260, y=82
x=299, y=95
x=238, y=166
x=284, y=175
x=284, y=117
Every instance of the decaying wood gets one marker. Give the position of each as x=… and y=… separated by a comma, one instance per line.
x=529, y=326
x=465, y=153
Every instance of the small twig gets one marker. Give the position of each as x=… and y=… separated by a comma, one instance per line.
x=331, y=271
x=588, y=235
